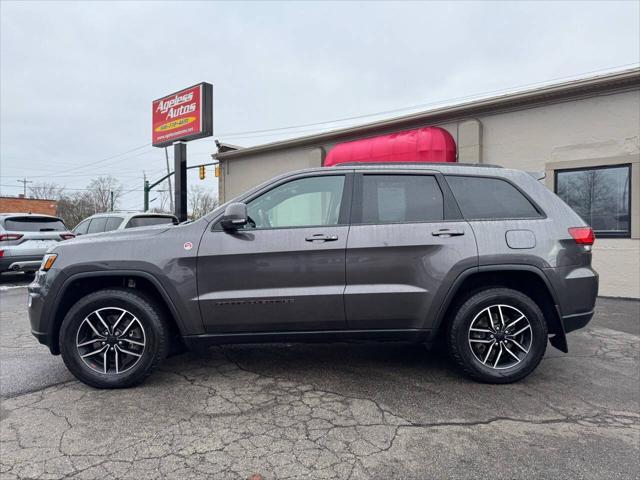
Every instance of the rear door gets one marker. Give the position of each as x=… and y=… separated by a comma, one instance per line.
x=407, y=243
x=286, y=270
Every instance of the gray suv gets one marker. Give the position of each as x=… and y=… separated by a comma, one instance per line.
x=485, y=259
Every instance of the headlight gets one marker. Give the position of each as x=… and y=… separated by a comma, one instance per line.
x=47, y=261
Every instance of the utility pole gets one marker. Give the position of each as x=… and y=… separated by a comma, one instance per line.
x=24, y=185
x=180, y=171
x=111, y=195
x=146, y=192
x=166, y=156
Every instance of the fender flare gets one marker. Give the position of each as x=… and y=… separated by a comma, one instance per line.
x=559, y=340
x=54, y=326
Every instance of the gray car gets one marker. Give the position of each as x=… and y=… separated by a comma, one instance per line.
x=26, y=237
x=486, y=260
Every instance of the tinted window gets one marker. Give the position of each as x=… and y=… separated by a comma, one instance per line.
x=82, y=227
x=34, y=224
x=401, y=198
x=304, y=202
x=600, y=196
x=490, y=198
x=97, y=225
x=113, y=223
x=148, y=221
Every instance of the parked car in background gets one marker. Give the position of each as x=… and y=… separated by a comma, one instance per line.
x=485, y=259
x=107, y=222
x=25, y=238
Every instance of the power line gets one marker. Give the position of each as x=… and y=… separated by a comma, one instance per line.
x=430, y=104
x=284, y=129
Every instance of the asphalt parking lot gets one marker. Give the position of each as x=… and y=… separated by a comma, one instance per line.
x=343, y=411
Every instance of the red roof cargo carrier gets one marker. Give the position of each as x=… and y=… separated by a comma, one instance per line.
x=428, y=144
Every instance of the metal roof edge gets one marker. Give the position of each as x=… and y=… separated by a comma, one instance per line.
x=572, y=88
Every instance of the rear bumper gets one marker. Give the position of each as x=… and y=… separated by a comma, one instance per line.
x=19, y=263
x=576, y=321
x=576, y=291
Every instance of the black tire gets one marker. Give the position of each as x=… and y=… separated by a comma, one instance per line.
x=156, y=332
x=460, y=345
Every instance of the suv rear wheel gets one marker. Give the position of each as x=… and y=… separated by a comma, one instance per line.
x=498, y=335
x=113, y=338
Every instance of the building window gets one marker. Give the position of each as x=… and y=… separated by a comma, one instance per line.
x=600, y=195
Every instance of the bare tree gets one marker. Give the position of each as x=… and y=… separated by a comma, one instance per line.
x=46, y=190
x=200, y=201
x=101, y=189
x=75, y=207
x=161, y=204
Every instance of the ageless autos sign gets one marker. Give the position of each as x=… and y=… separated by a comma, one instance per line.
x=184, y=115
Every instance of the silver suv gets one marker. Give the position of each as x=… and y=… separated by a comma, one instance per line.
x=486, y=260
x=107, y=222
x=25, y=238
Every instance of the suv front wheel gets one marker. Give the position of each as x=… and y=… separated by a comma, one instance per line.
x=498, y=335
x=113, y=338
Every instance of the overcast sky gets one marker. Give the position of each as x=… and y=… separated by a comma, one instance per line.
x=77, y=79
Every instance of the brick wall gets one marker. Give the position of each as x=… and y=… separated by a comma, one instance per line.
x=26, y=205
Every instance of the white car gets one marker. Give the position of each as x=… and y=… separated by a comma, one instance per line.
x=106, y=222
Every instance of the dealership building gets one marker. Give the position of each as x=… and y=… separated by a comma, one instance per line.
x=584, y=134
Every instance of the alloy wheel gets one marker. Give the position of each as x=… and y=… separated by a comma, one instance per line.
x=110, y=340
x=500, y=336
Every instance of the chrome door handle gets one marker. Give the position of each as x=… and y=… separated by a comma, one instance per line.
x=445, y=232
x=321, y=237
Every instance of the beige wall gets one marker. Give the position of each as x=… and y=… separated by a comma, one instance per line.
x=239, y=175
x=592, y=131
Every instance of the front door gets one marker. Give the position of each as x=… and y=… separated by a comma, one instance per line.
x=406, y=242
x=285, y=271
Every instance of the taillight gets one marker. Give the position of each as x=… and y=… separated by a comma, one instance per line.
x=582, y=235
x=1, y=253
x=67, y=236
x=7, y=237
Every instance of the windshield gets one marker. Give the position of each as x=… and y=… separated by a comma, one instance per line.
x=34, y=224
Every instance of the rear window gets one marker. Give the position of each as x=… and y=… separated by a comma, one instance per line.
x=147, y=221
x=97, y=225
x=34, y=224
x=483, y=198
x=401, y=199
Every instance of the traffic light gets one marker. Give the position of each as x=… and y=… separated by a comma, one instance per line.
x=202, y=171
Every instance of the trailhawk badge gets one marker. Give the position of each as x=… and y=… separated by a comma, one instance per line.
x=188, y=245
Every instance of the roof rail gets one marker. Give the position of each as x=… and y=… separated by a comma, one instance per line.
x=453, y=164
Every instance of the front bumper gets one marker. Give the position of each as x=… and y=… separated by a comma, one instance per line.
x=41, y=304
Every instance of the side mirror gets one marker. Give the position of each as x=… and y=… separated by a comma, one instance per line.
x=235, y=216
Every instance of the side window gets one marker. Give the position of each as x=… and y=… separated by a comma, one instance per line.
x=482, y=198
x=113, y=223
x=97, y=225
x=309, y=201
x=82, y=227
x=401, y=199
